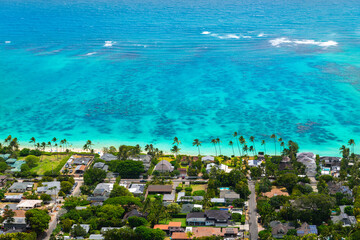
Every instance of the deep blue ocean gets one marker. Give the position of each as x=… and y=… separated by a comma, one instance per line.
x=144, y=71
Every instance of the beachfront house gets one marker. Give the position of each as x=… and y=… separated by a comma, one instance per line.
x=107, y=157
x=207, y=159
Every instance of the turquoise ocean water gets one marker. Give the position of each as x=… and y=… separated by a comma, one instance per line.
x=144, y=71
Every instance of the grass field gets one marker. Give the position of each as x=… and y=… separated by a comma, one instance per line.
x=49, y=163
x=182, y=220
x=197, y=187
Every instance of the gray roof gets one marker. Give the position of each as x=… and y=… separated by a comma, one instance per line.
x=218, y=200
x=81, y=161
x=99, y=165
x=143, y=158
x=108, y=157
x=218, y=214
x=103, y=187
x=208, y=158
x=96, y=236
x=84, y=226
x=164, y=166
x=196, y=215
x=186, y=208
x=169, y=197
x=46, y=188
x=21, y=185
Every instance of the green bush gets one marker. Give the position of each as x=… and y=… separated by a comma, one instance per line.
x=236, y=217
x=188, y=189
x=178, y=189
x=199, y=193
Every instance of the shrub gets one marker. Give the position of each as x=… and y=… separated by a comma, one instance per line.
x=188, y=189
x=135, y=221
x=199, y=193
x=236, y=217
x=178, y=189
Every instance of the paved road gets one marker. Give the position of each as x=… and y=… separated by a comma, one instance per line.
x=76, y=191
x=252, y=213
x=52, y=226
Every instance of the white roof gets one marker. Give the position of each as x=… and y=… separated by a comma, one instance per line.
x=28, y=203
x=208, y=158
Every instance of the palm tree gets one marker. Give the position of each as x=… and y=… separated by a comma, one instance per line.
x=176, y=140
x=274, y=137
x=55, y=144
x=242, y=140
x=344, y=151
x=252, y=139
x=33, y=141
x=65, y=142
x=175, y=149
x=43, y=146
x=352, y=144
x=245, y=149
x=89, y=144
x=218, y=141
x=282, y=144
x=232, y=146
x=252, y=149
x=49, y=145
x=264, y=143
x=213, y=141
x=198, y=144
x=235, y=136
x=8, y=139
x=62, y=144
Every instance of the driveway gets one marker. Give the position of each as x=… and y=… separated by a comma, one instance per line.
x=252, y=213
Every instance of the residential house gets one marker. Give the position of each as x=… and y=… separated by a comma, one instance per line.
x=279, y=230
x=222, y=167
x=29, y=204
x=145, y=159
x=5, y=156
x=86, y=227
x=80, y=169
x=137, y=189
x=105, y=229
x=276, y=192
x=285, y=164
x=208, y=159
x=209, y=218
x=330, y=166
x=96, y=237
x=19, y=222
x=308, y=159
x=133, y=213
x=229, y=195
x=169, y=198
x=101, y=165
x=82, y=160
x=188, y=207
x=50, y=188
x=188, y=199
x=20, y=187
x=101, y=192
x=162, y=189
x=338, y=187
x=306, y=229
x=345, y=219
x=229, y=232
x=13, y=198
x=108, y=157
x=218, y=201
x=254, y=163
x=199, y=232
x=164, y=166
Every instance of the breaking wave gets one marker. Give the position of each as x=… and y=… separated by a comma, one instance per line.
x=286, y=41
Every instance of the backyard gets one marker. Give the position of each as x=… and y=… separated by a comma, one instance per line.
x=48, y=163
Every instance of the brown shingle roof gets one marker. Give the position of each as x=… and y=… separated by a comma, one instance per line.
x=174, y=224
x=179, y=236
x=160, y=188
x=206, y=231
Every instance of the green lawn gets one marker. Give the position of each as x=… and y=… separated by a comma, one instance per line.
x=182, y=220
x=48, y=163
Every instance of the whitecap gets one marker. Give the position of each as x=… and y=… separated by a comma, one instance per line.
x=261, y=35
x=7, y=42
x=246, y=36
x=90, y=53
x=205, y=32
x=109, y=43
x=279, y=41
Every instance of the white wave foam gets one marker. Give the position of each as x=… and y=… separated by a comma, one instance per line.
x=261, y=35
x=246, y=36
x=90, y=53
x=109, y=43
x=7, y=42
x=280, y=41
x=205, y=32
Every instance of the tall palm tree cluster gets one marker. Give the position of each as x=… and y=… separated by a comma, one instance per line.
x=42, y=145
x=149, y=148
x=10, y=145
x=239, y=142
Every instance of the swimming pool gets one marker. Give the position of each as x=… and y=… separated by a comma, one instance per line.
x=224, y=188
